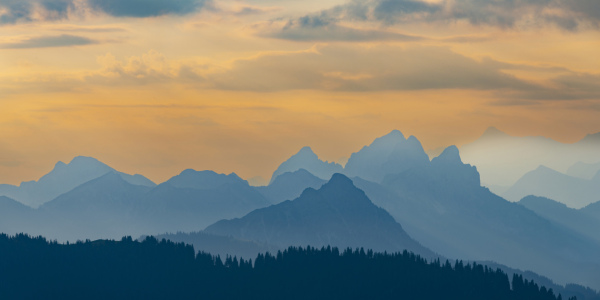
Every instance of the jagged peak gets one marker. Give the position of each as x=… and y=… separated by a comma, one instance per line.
x=83, y=159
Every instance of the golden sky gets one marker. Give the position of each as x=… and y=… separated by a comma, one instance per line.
x=158, y=86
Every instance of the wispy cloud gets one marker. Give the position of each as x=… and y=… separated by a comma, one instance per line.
x=64, y=40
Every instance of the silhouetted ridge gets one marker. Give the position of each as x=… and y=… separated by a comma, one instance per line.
x=337, y=214
x=203, y=179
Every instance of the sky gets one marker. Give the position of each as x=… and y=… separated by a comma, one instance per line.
x=158, y=86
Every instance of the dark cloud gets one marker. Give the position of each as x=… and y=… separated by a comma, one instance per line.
x=146, y=8
x=566, y=14
x=64, y=40
x=16, y=11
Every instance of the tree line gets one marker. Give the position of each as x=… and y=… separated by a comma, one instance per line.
x=35, y=268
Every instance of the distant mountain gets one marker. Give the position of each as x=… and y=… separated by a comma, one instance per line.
x=63, y=178
x=100, y=208
x=574, y=219
x=219, y=245
x=584, y=170
x=388, y=154
x=290, y=185
x=443, y=206
x=308, y=160
x=337, y=214
x=16, y=217
x=502, y=159
x=193, y=200
x=545, y=182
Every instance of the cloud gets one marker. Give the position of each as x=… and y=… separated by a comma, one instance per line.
x=64, y=40
x=566, y=14
x=15, y=11
x=90, y=29
x=27, y=11
x=146, y=8
x=318, y=29
x=371, y=69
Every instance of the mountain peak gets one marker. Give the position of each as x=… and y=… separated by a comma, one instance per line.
x=450, y=154
x=394, y=135
x=493, y=132
x=340, y=180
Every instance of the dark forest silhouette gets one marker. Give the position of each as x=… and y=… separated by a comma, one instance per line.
x=152, y=269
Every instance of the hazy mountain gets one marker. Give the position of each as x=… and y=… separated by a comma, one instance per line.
x=388, y=154
x=575, y=219
x=584, y=170
x=290, y=185
x=545, y=182
x=193, y=200
x=443, y=206
x=308, y=160
x=337, y=214
x=63, y=178
x=219, y=245
x=502, y=159
x=100, y=208
x=16, y=217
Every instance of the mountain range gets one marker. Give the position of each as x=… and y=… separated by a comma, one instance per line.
x=389, y=196
x=502, y=159
x=573, y=191
x=63, y=178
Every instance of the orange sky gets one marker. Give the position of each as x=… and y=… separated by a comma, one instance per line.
x=239, y=86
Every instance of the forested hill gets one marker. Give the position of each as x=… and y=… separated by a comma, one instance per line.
x=34, y=268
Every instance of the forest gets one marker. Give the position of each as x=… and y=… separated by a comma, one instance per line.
x=35, y=268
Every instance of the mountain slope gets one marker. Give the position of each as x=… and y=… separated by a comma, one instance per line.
x=584, y=170
x=545, y=182
x=308, y=160
x=338, y=214
x=575, y=219
x=290, y=185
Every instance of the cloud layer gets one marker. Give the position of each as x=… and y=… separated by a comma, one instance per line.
x=566, y=14
x=64, y=40
x=26, y=11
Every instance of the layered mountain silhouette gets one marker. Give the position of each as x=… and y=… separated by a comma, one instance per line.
x=338, y=214
x=503, y=159
x=545, y=182
x=308, y=160
x=193, y=200
x=388, y=154
x=443, y=206
x=63, y=178
x=290, y=185
x=576, y=219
